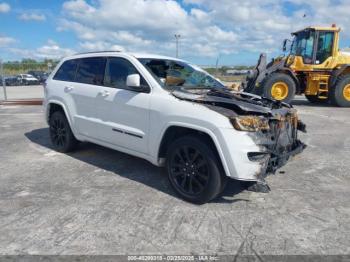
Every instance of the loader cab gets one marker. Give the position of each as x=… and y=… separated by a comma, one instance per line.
x=315, y=45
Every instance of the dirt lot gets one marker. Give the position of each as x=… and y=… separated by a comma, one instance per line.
x=99, y=201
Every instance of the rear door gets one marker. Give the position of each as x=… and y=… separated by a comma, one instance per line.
x=82, y=89
x=123, y=114
x=86, y=89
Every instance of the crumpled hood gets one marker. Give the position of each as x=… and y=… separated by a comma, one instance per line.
x=239, y=102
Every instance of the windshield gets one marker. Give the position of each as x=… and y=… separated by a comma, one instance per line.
x=303, y=44
x=171, y=73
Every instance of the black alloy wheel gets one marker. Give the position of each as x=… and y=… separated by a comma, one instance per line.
x=61, y=134
x=58, y=133
x=194, y=170
x=189, y=170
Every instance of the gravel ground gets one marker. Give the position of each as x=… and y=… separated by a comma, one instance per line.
x=99, y=201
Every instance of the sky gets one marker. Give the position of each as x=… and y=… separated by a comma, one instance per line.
x=232, y=32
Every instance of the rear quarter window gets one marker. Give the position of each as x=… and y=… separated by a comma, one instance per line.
x=67, y=71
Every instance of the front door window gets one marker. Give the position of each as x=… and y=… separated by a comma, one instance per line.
x=303, y=45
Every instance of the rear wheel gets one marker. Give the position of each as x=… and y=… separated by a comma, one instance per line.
x=340, y=94
x=61, y=134
x=279, y=86
x=194, y=170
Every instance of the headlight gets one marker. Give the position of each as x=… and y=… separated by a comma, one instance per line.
x=250, y=123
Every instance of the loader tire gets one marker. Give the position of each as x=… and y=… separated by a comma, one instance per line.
x=340, y=93
x=279, y=86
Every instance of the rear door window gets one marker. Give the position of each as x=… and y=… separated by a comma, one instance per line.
x=91, y=70
x=67, y=71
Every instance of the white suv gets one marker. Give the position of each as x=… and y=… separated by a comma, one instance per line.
x=173, y=114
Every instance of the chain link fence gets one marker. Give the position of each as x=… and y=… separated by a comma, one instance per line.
x=23, y=80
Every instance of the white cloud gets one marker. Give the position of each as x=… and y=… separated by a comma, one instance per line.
x=207, y=28
x=32, y=17
x=4, y=7
x=100, y=46
x=50, y=50
x=53, y=50
x=145, y=26
x=6, y=41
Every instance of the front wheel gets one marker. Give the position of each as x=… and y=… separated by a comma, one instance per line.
x=194, y=170
x=279, y=86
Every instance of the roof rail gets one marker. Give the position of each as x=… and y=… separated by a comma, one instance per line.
x=93, y=52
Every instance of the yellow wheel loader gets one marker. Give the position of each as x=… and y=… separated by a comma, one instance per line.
x=314, y=67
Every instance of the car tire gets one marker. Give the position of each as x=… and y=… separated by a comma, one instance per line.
x=194, y=170
x=61, y=135
x=315, y=99
x=340, y=93
x=274, y=83
x=224, y=181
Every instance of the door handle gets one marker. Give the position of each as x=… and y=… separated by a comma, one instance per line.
x=68, y=88
x=104, y=93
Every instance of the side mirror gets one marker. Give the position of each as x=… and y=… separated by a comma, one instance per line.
x=133, y=82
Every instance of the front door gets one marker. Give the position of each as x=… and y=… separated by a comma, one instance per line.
x=123, y=114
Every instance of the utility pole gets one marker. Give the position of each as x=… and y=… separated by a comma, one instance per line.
x=217, y=64
x=177, y=37
x=49, y=65
x=3, y=79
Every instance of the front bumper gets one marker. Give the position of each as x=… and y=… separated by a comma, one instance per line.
x=277, y=161
x=251, y=156
x=279, y=144
x=271, y=161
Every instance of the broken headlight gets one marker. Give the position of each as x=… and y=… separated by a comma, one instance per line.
x=250, y=123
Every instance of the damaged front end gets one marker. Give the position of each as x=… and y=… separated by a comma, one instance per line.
x=279, y=142
x=272, y=125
